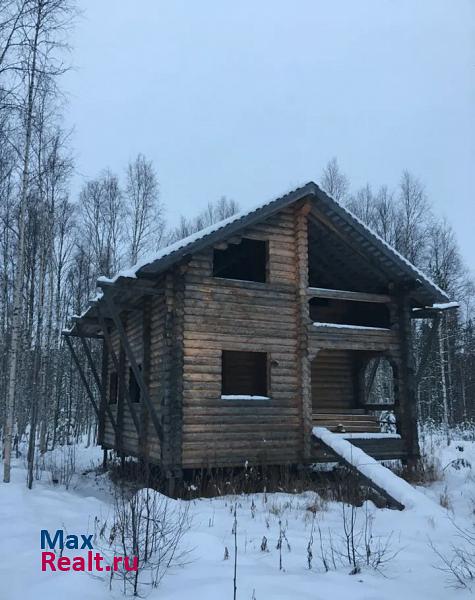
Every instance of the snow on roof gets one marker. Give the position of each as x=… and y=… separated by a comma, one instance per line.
x=131, y=272
x=390, y=248
x=308, y=189
x=97, y=296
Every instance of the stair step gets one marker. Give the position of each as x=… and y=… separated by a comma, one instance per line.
x=344, y=418
x=343, y=411
x=352, y=429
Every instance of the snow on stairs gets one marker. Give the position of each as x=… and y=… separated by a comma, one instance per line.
x=398, y=492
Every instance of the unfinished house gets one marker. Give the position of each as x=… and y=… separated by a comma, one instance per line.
x=239, y=344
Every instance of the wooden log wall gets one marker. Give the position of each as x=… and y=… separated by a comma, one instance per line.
x=347, y=338
x=405, y=391
x=158, y=375
x=222, y=314
x=333, y=380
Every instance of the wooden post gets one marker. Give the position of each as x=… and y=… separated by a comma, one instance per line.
x=144, y=413
x=122, y=386
x=173, y=373
x=303, y=322
x=104, y=402
x=406, y=387
x=178, y=369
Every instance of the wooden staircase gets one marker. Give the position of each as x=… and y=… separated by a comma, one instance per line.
x=397, y=492
x=346, y=421
x=355, y=421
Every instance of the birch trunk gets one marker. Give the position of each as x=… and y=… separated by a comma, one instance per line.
x=19, y=273
x=443, y=379
x=35, y=396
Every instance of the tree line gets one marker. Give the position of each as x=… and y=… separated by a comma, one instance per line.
x=52, y=246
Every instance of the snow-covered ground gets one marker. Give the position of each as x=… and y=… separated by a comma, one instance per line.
x=411, y=574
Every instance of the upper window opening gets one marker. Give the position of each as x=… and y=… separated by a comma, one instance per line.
x=244, y=374
x=134, y=389
x=246, y=261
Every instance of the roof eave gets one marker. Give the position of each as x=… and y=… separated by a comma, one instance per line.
x=434, y=292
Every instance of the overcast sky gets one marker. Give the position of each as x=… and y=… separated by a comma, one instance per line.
x=249, y=99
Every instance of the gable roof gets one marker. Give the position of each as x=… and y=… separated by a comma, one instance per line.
x=426, y=292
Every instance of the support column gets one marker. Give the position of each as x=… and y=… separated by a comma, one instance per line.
x=104, y=384
x=121, y=386
x=173, y=373
x=303, y=321
x=144, y=412
x=407, y=412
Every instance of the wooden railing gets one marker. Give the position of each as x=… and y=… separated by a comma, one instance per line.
x=314, y=292
x=332, y=336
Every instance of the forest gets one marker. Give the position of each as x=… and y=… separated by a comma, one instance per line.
x=55, y=243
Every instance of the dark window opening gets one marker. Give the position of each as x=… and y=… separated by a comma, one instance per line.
x=134, y=389
x=244, y=373
x=113, y=387
x=347, y=312
x=246, y=261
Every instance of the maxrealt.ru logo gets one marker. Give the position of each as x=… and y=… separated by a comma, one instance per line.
x=93, y=561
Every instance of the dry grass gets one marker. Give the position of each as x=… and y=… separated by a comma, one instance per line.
x=428, y=470
x=445, y=500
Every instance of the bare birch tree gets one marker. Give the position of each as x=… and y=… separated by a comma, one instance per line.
x=213, y=213
x=40, y=53
x=333, y=181
x=101, y=215
x=145, y=222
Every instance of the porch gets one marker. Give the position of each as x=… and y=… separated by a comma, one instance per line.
x=355, y=373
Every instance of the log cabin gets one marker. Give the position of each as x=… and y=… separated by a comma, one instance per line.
x=228, y=347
